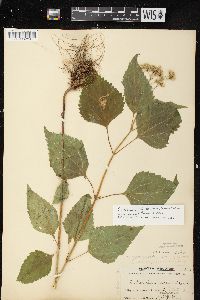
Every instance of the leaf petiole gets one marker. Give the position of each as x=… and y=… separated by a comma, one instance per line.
x=86, y=177
x=127, y=145
x=108, y=137
x=54, y=238
x=110, y=195
x=78, y=255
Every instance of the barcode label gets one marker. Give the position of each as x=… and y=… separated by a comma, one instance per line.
x=153, y=14
x=21, y=34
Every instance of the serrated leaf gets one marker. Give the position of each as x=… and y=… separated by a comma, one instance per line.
x=36, y=265
x=43, y=215
x=75, y=218
x=107, y=243
x=137, y=90
x=148, y=188
x=157, y=122
x=100, y=102
x=70, y=163
x=177, y=105
x=62, y=192
x=176, y=181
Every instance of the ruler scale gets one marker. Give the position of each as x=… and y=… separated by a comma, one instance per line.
x=118, y=14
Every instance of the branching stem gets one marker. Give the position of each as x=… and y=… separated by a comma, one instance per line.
x=127, y=145
x=96, y=197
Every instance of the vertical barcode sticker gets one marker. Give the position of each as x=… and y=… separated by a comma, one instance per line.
x=13, y=34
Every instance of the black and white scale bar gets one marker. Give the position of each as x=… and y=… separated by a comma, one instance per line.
x=119, y=14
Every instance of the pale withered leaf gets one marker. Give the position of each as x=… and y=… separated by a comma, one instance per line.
x=75, y=219
x=106, y=243
x=100, y=102
x=70, y=163
x=148, y=188
x=35, y=266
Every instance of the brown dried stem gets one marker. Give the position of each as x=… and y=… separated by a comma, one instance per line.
x=127, y=145
x=96, y=197
x=110, y=195
x=61, y=203
x=108, y=137
x=79, y=255
x=92, y=187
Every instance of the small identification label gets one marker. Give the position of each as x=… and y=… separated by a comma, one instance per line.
x=153, y=14
x=159, y=282
x=13, y=34
x=139, y=215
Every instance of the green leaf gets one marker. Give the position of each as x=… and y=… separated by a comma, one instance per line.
x=147, y=188
x=75, y=219
x=36, y=265
x=70, y=163
x=100, y=102
x=157, y=122
x=137, y=90
x=176, y=181
x=43, y=215
x=107, y=243
x=62, y=192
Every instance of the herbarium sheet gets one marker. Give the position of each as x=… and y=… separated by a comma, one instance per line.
x=98, y=165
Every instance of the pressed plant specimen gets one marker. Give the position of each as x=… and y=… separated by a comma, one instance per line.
x=100, y=102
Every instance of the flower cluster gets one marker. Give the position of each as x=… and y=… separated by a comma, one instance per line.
x=81, y=58
x=156, y=74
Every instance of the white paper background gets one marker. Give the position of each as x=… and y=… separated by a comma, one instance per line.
x=34, y=86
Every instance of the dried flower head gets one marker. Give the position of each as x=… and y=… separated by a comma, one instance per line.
x=171, y=75
x=146, y=67
x=81, y=58
x=160, y=82
x=156, y=75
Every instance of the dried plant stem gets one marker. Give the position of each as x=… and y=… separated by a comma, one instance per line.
x=67, y=258
x=133, y=122
x=55, y=239
x=110, y=195
x=78, y=255
x=108, y=137
x=131, y=130
x=92, y=187
x=96, y=197
x=127, y=145
x=61, y=203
